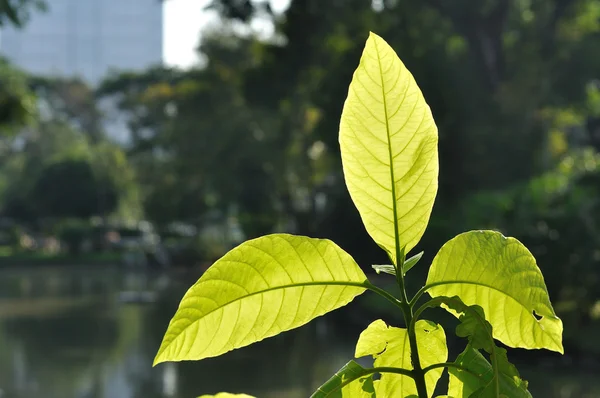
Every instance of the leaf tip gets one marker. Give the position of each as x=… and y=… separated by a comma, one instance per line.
x=160, y=356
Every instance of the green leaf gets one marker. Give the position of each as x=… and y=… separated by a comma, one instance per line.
x=388, y=141
x=390, y=269
x=385, y=268
x=351, y=381
x=499, y=274
x=226, y=395
x=411, y=262
x=465, y=385
x=257, y=290
x=390, y=348
x=495, y=380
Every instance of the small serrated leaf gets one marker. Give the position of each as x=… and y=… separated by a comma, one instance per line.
x=464, y=384
x=494, y=380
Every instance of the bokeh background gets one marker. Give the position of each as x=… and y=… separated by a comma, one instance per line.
x=122, y=176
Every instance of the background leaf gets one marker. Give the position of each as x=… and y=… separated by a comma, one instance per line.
x=388, y=142
x=499, y=274
x=390, y=347
x=259, y=289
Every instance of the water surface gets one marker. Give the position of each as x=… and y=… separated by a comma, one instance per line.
x=93, y=332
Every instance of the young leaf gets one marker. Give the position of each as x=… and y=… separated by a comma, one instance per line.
x=226, y=395
x=390, y=269
x=257, y=290
x=499, y=274
x=388, y=141
x=411, y=262
x=496, y=380
x=385, y=268
x=464, y=384
x=390, y=348
x=351, y=381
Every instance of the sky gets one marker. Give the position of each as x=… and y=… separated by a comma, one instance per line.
x=183, y=21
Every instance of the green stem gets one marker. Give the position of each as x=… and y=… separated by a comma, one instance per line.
x=453, y=365
x=389, y=369
x=419, y=376
x=434, y=302
x=407, y=311
x=389, y=297
x=418, y=295
x=418, y=373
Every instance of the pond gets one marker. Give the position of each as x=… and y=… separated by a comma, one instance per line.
x=93, y=332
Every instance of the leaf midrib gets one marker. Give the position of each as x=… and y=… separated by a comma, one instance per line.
x=391, y=158
x=263, y=291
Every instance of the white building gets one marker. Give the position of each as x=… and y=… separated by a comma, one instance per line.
x=87, y=38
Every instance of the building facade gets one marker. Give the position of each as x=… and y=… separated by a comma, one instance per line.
x=87, y=38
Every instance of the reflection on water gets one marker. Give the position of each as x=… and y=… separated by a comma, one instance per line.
x=92, y=333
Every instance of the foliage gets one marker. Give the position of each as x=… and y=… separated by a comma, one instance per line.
x=17, y=105
x=278, y=282
x=17, y=12
x=70, y=189
x=65, y=141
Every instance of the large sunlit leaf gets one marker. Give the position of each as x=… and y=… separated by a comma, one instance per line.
x=226, y=395
x=259, y=289
x=351, y=381
x=499, y=274
x=388, y=142
x=464, y=384
x=390, y=347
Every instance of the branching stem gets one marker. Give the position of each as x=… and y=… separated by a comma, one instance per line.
x=452, y=365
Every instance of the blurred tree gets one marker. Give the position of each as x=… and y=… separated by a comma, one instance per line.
x=71, y=101
x=17, y=12
x=193, y=134
x=71, y=189
x=17, y=103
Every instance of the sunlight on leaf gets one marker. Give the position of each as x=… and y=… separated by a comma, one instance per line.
x=257, y=290
x=226, y=395
x=390, y=347
x=499, y=274
x=388, y=141
x=351, y=381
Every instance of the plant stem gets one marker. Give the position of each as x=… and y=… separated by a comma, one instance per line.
x=418, y=373
x=407, y=311
x=452, y=365
x=383, y=294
